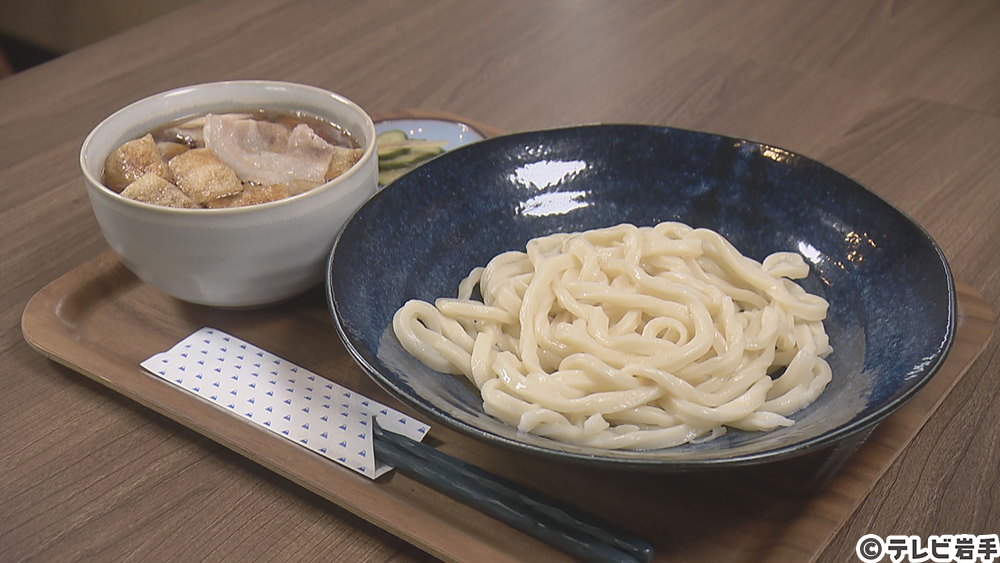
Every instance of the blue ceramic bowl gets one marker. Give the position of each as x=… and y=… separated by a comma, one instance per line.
x=892, y=299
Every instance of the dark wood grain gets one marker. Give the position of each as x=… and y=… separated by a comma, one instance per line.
x=903, y=96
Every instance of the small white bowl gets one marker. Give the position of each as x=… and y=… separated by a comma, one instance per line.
x=239, y=257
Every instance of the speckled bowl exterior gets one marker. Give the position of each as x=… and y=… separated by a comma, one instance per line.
x=892, y=299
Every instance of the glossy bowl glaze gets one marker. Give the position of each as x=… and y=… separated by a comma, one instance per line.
x=892, y=301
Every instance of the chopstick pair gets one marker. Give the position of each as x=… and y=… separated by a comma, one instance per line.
x=508, y=502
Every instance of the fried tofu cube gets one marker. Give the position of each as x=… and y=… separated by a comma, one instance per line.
x=252, y=195
x=296, y=187
x=343, y=159
x=209, y=182
x=203, y=177
x=187, y=161
x=154, y=189
x=169, y=150
x=133, y=160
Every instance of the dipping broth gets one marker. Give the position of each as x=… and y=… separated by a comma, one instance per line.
x=231, y=160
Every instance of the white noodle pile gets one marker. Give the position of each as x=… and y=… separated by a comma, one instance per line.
x=630, y=338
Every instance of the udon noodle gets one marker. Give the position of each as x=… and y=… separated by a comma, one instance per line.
x=630, y=337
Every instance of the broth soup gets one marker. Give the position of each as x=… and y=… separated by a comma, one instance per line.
x=230, y=160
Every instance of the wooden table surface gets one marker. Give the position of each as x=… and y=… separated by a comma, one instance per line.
x=902, y=96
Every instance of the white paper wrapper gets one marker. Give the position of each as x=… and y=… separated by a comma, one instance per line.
x=282, y=397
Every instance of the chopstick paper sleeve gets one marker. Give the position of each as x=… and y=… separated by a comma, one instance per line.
x=282, y=397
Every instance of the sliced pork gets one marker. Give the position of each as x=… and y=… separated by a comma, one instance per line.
x=267, y=153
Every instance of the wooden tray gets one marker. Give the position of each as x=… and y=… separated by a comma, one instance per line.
x=101, y=321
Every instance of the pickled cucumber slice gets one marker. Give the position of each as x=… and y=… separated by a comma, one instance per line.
x=393, y=136
x=386, y=176
x=397, y=153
